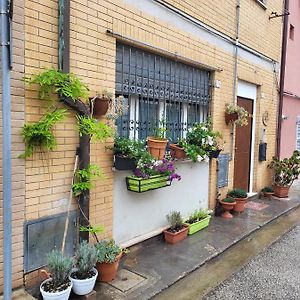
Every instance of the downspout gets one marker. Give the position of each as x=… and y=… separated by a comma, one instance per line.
x=5, y=26
x=236, y=52
x=282, y=75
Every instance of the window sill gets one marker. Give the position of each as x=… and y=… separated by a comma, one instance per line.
x=263, y=5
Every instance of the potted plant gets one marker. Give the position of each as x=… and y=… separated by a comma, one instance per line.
x=285, y=172
x=84, y=275
x=267, y=191
x=157, y=142
x=236, y=114
x=218, y=145
x=240, y=196
x=177, y=231
x=227, y=204
x=100, y=103
x=127, y=152
x=151, y=174
x=109, y=255
x=198, y=220
x=58, y=286
x=177, y=150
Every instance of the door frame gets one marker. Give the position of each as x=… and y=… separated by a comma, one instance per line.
x=249, y=91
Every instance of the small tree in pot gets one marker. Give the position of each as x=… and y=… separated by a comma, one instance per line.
x=84, y=275
x=240, y=196
x=59, y=285
x=177, y=231
x=285, y=172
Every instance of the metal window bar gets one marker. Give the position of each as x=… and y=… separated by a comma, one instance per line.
x=156, y=86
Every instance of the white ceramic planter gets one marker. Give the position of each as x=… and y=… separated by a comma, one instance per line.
x=63, y=295
x=84, y=286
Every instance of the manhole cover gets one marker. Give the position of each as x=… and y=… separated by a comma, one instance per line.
x=126, y=280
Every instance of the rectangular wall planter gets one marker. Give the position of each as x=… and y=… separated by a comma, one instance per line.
x=140, y=185
x=195, y=227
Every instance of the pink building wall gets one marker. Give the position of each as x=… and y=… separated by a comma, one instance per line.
x=291, y=101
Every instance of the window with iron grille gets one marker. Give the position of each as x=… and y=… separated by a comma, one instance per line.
x=154, y=88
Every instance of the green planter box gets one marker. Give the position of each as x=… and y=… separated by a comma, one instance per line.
x=195, y=227
x=140, y=185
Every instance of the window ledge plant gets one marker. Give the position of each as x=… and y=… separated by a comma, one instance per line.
x=236, y=114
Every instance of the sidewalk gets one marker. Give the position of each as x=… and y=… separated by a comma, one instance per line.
x=153, y=265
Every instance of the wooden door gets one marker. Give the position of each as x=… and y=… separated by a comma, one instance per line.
x=242, y=157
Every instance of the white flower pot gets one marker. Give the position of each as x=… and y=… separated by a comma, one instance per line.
x=63, y=295
x=84, y=286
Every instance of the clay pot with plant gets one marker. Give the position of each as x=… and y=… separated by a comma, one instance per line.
x=84, y=274
x=240, y=196
x=237, y=115
x=178, y=230
x=109, y=255
x=157, y=142
x=177, y=150
x=100, y=103
x=58, y=285
x=286, y=171
x=267, y=192
x=227, y=205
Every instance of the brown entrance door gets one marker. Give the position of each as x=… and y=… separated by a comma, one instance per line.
x=242, y=157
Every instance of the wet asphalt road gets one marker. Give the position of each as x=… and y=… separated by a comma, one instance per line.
x=272, y=275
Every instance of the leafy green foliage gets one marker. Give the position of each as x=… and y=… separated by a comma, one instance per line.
x=286, y=170
x=59, y=267
x=92, y=229
x=198, y=215
x=107, y=250
x=84, y=177
x=175, y=220
x=85, y=259
x=229, y=200
x=40, y=134
x=267, y=189
x=242, y=114
x=237, y=193
x=52, y=81
x=94, y=128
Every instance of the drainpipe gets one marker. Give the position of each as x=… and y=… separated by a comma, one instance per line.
x=6, y=145
x=282, y=75
x=236, y=52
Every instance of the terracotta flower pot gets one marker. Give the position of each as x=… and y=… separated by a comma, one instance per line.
x=268, y=194
x=108, y=271
x=173, y=238
x=240, y=204
x=177, y=152
x=281, y=191
x=100, y=106
x=231, y=117
x=157, y=148
x=227, y=206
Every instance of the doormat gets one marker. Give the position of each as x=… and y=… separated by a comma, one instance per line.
x=256, y=205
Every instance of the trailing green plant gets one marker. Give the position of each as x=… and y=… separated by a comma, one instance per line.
x=59, y=266
x=95, y=129
x=52, y=81
x=175, y=220
x=83, y=179
x=241, y=111
x=237, y=193
x=286, y=170
x=198, y=215
x=229, y=200
x=107, y=251
x=267, y=189
x=40, y=134
x=85, y=259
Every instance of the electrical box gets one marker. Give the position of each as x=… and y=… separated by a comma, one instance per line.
x=223, y=165
x=262, y=154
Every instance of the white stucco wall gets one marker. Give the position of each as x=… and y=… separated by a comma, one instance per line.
x=137, y=217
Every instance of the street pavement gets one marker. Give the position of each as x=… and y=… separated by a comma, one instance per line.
x=272, y=275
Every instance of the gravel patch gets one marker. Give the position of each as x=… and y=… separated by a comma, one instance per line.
x=272, y=275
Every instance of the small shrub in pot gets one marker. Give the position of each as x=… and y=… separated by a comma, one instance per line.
x=227, y=205
x=59, y=285
x=240, y=197
x=84, y=275
x=178, y=230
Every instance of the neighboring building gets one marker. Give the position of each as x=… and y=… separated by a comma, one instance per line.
x=181, y=54
x=290, y=132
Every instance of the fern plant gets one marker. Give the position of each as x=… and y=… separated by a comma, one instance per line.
x=95, y=129
x=40, y=134
x=59, y=267
x=85, y=259
x=52, y=81
x=84, y=177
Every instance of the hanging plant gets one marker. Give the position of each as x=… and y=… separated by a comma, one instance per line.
x=95, y=129
x=40, y=135
x=236, y=114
